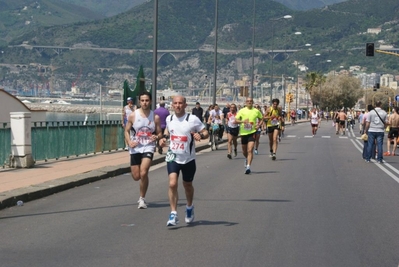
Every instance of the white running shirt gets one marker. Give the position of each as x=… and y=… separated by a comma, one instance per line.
x=141, y=132
x=314, y=118
x=182, y=143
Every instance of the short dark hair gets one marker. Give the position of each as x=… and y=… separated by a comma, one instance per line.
x=276, y=101
x=145, y=93
x=370, y=107
x=378, y=104
x=197, y=103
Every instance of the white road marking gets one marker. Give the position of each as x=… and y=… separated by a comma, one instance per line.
x=382, y=166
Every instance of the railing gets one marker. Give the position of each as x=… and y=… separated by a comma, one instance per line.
x=55, y=140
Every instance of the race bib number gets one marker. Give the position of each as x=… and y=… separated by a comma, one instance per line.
x=170, y=156
x=248, y=126
x=178, y=144
x=274, y=122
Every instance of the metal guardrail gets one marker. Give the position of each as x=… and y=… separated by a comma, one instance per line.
x=55, y=140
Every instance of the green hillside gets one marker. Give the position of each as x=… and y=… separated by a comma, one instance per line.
x=18, y=17
x=337, y=33
x=106, y=7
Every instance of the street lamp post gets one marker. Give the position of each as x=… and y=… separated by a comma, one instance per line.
x=216, y=50
x=253, y=50
x=154, y=57
x=272, y=51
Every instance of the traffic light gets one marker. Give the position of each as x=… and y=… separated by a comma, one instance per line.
x=370, y=49
x=287, y=97
x=291, y=98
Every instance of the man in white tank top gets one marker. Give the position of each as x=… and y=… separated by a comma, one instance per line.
x=143, y=129
x=182, y=130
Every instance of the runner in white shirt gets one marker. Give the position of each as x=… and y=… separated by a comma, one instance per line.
x=139, y=134
x=314, y=121
x=182, y=130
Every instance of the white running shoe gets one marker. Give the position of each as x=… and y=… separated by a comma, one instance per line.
x=142, y=203
x=189, y=215
x=173, y=220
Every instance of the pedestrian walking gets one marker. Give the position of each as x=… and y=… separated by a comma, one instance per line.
x=182, y=130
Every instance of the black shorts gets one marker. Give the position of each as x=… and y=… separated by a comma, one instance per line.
x=271, y=129
x=393, y=133
x=233, y=131
x=337, y=120
x=342, y=123
x=135, y=159
x=188, y=169
x=245, y=139
x=314, y=125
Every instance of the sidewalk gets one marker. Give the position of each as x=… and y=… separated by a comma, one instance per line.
x=47, y=178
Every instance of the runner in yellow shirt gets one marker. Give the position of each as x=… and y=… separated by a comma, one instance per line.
x=274, y=117
x=250, y=120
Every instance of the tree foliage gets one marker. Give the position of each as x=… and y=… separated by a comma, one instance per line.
x=333, y=91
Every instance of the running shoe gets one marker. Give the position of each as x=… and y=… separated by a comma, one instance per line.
x=387, y=153
x=274, y=156
x=142, y=203
x=173, y=220
x=235, y=152
x=256, y=152
x=229, y=156
x=271, y=154
x=247, y=170
x=189, y=215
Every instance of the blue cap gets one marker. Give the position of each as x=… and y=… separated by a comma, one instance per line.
x=129, y=99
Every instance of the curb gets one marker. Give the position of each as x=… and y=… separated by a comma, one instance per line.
x=34, y=192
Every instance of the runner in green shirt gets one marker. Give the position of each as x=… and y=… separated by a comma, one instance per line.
x=250, y=119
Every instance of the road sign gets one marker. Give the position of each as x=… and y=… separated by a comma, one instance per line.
x=397, y=98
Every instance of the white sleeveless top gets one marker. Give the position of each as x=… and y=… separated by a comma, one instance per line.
x=182, y=143
x=314, y=118
x=141, y=132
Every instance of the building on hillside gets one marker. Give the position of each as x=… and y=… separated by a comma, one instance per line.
x=374, y=30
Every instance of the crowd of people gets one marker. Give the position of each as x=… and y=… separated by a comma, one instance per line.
x=147, y=131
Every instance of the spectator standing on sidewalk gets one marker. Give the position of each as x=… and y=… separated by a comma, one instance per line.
x=143, y=129
x=162, y=112
x=375, y=127
x=198, y=111
x=129, y=108
x=182, y=130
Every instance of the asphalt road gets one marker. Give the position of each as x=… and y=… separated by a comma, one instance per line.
x=318, y=204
